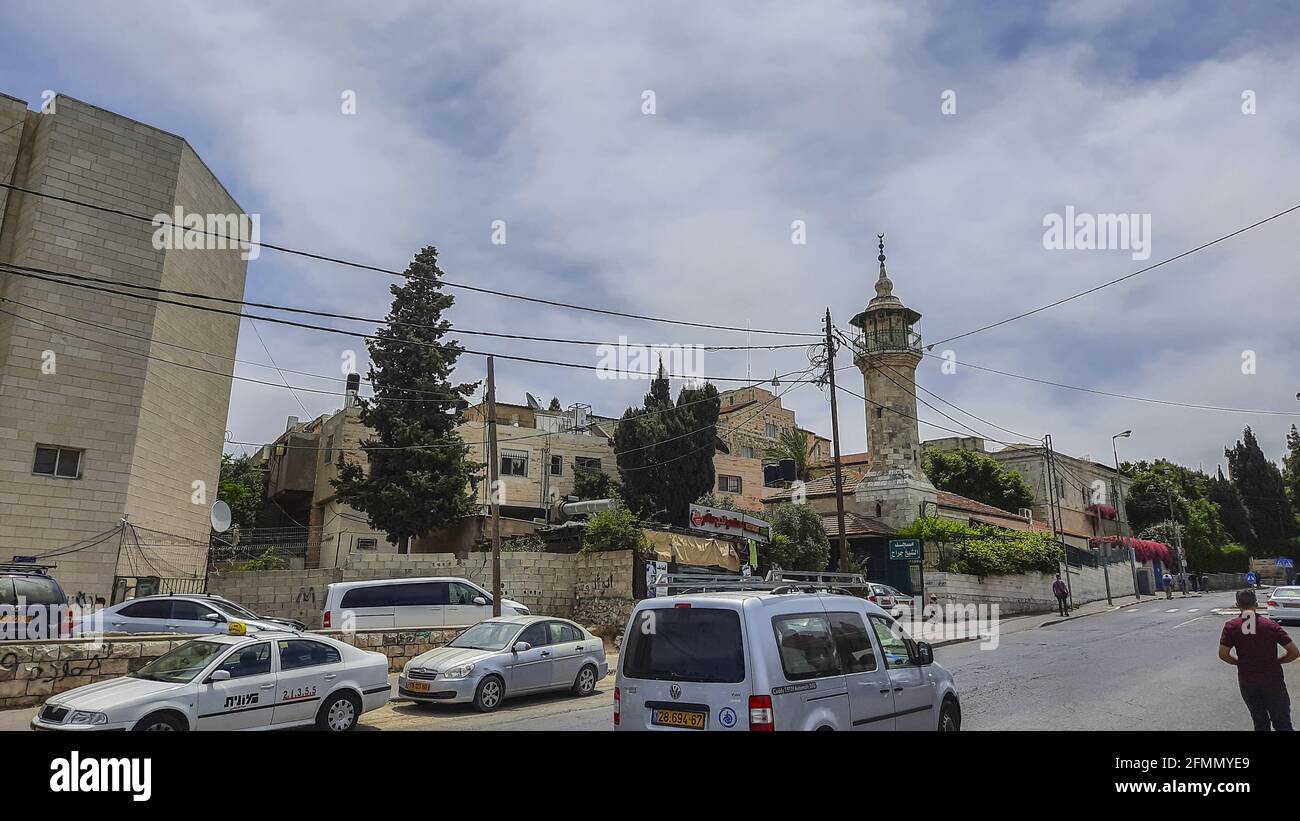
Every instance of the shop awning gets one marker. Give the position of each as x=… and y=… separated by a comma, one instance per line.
x=695, y=551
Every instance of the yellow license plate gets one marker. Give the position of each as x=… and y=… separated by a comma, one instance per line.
x=418, y=686
x=678, y=718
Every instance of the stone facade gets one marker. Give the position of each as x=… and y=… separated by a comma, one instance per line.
x=1029, y=592
x=149, y=432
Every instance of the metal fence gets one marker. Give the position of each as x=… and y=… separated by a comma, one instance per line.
x=245, y=545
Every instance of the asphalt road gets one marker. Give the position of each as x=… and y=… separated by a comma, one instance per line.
x=1141, y=668
x=1150, y=667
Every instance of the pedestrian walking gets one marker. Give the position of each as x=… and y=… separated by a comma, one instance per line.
x=1259, y=668
x=1182, y=584
x=1168, y=582
x=1062, y=594
x=1205, y=583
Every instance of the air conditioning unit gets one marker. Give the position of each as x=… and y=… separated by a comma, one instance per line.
x=1027, y=513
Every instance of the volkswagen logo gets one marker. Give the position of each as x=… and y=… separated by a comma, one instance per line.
x=675, y=691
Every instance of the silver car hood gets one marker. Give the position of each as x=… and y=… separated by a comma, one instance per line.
x=104, y=696
x=445, y=658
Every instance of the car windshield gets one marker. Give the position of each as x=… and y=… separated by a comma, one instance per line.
x=1287, y=593
x=182, y=664
x=486, y=635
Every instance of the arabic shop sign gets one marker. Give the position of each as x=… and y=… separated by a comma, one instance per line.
x=727, y=523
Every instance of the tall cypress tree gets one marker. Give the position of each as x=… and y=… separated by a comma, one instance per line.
x=1236, y=518
x=418, y=477
x=665, y=450
x=1260, y=484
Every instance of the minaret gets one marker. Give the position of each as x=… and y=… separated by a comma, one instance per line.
x=888, y=352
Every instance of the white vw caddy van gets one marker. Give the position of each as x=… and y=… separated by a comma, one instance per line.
x=762, y=661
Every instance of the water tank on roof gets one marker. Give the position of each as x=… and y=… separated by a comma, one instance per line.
x=771, y=475
x=788, y=470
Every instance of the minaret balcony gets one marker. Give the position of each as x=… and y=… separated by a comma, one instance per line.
x=886, y=341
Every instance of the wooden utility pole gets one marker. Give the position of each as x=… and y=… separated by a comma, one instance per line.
x=1053, y=506
x=835, y=444
x=494, y=465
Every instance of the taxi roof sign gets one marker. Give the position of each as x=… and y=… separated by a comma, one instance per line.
x=238, y=628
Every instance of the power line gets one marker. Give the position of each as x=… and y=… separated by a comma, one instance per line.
x=1152, y=400
x=371, y=320
x=292, y=393
x=1116, y=281
x=403, y=274
x=368, y=337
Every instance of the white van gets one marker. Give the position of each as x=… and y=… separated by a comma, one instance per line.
x=761, y=661
x=423, y=602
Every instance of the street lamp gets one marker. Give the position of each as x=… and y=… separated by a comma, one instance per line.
x=1119, y=497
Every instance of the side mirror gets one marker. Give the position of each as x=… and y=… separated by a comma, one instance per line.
x=521, y=646
x=219, y=675
x=214, y=618
x=480, y=601
x=924, y=653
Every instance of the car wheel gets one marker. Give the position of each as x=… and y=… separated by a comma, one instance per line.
x=159, y=722
x=949, y=717
x=585, y=684
x=489, y=694
x=339, y=713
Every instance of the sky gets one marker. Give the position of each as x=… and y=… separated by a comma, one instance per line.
x=955, y=128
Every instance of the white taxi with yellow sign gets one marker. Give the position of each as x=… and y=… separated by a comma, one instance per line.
x=246, y=680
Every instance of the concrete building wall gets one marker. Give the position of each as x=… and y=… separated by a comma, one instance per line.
x=148, y=430
x=750, y=472
x=539, y=484
x=1074, y=487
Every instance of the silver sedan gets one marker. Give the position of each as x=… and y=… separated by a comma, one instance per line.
x=505, y=657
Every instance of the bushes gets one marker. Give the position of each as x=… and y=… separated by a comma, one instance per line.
x=615, y=528
x=798, y=540
x=986, y=550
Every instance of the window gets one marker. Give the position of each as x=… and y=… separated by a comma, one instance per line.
x=557, y=465
x=852, y=642
x=298, y=653
x=806, y=647
x=892, y=642
x=698, y=644
x=148, y=609
x=561, y=633
x=190, y=611
x=368, y=544
x=746, y=452
x=408, y=594
x=463, y=594
x=536, y=635
x=325, y=454
x=769, y=430
x=34, y=590
x=728, y=484
x=514, y=463
x=64, y=463
x=248, y=661
x=880, y=411
x=880, y=509
x=586, y=464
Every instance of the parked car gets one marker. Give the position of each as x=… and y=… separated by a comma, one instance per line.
x=425, y=602
x=887, y=597
x=32, y=604
x=187, y=614
x=505, y=657
x=1284, y=604
x=762, y=661
x=258, y=681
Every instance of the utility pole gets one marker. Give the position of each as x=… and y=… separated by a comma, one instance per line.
x=1119, y=499
x=493, y=496
x=1053, y=500
x=1178, y=534
x=835, y=444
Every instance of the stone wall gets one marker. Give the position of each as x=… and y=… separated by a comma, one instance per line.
x=31, y=672
x=1028, y=592
x=592, y=589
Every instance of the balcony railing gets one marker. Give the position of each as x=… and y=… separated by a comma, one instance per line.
x=884, y=341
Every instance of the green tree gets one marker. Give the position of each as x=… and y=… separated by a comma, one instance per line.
x=1232, y=510
x=798, y=540
x=977, y=476
x=418, y=478
x=241, y=487
x=616, y=528
x=1260, y=483
x=1291, y=468
x=665, y=450
x=793, y=443
x=720, y=502
x=555, y=405
x=594, y=484
x=1148, y=500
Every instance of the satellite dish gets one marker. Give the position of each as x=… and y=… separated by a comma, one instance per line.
x=220, y=516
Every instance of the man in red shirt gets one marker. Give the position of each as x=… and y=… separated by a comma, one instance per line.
x=1259, y=668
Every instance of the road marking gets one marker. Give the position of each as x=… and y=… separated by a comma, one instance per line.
x=1189, y=621
x=1194, y=610
x=1134, y=610
x=1172, y=610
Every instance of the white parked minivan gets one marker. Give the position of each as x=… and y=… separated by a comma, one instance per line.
x=762, y=661
x=422, y=602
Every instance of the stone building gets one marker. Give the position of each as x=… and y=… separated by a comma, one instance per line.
x=99, y=417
